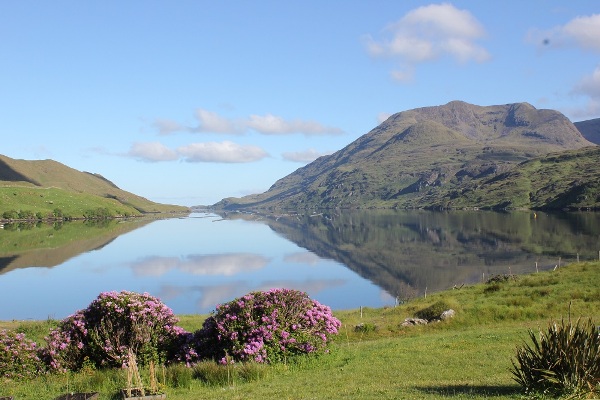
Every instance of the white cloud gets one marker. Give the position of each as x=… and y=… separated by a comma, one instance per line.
x=273, y=125
x=152, y=152
x=215, y=123
x=589, y=86
x=218, y=152
x=269, y=124
x=167, y=126
x=221, y=152
x=583, y=32
x=428, y=33
x=305, y=156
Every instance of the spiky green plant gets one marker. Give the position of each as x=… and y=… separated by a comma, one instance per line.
x=563, y=360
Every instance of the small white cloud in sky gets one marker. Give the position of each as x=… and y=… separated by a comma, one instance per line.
x=428, y=33
x=582, y=32
x=217, y=152
x=272, y=125
x=589, y=86
x=167, y=126
x=585, y=31
x=152, y=152
x=221, y=152
x=212, y=122
x=305, y=156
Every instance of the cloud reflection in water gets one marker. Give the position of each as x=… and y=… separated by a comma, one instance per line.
x=201, y=264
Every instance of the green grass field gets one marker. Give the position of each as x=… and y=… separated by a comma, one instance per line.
x=45, y=200
x=467, y=357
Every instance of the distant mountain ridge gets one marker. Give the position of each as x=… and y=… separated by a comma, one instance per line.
x=26, y=184
x=590, y=129
x=416, y=158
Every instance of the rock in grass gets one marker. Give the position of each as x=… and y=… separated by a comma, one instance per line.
x=414, y=321
x=447, y=314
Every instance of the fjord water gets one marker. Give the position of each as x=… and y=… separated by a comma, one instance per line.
x=345, y=259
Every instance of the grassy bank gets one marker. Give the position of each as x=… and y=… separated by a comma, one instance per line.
x=467, y=357
x=50, y=201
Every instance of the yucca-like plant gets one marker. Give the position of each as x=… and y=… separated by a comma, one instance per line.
x=563, y=360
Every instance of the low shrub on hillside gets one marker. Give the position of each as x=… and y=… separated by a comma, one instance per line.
x=18, y=356
x=258, y=327
x=266, y=327
x=109, y=327
x=563, y=360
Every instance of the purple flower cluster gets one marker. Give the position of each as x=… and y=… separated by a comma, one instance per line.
x=260, y=326
x=266, y=327
x=112, y=324
x=18, y=356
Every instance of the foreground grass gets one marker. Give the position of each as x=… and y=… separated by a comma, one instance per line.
x=468, y=357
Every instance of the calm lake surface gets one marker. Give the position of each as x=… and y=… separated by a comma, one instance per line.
x=344, y=259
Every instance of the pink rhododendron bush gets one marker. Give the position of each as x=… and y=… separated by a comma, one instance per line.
x=109, y=327
x=266, y=327
x=261, y=327
x=18, y=356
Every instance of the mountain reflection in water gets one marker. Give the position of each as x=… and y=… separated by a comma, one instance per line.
x=344, y=259
x=405, y=252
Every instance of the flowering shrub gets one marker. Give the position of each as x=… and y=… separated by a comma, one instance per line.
x=65, y=344
x=18, y=356
x=265, y=327
x=111, y=325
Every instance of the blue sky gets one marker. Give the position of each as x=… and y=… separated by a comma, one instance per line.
x=188, y=102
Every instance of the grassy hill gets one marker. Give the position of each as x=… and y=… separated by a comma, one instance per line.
x=45, y=186
x=417, y=157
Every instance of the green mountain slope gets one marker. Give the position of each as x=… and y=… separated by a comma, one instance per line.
x=46, y=185
x=566, y=180
x=416, y=157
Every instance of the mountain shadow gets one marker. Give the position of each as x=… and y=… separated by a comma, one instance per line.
x=11, y=175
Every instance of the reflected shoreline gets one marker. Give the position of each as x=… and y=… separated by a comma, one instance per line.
x=344, y=259
x=410, y=252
